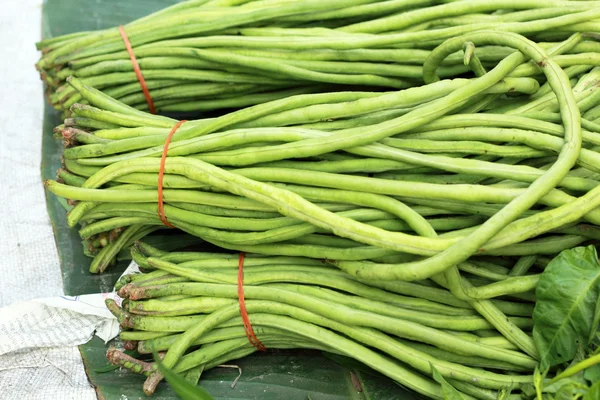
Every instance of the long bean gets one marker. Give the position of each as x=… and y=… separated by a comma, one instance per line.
x=399, y=179
x=569, y=154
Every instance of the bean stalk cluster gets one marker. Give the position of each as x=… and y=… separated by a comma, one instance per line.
x=185, y=306
x=221, y=54
x=405, y=228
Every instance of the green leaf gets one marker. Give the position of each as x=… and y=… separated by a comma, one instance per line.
x=106, y=368
x=183, y=388
x=592, y=374
x=596, y=339
x=593, y=393
x=504, y=393
x=576, y=380
x=193, y=375
x=570, y=391
x=528, y=390
x=564, y=314
x=577, y=375
x=595, y=322
x=450, y=393
x=65, y=205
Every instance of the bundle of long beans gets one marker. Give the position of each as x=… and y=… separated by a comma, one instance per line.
x=403, y=330
x=461, y=186
x=215, y=54
x=326, y=161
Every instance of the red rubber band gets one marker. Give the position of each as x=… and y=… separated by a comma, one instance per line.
x=247, y=326
x=138, y=71
x=161, y=174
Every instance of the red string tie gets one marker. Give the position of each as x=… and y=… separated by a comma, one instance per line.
x=161, y=174
x=137, y=70
x=247, y=326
